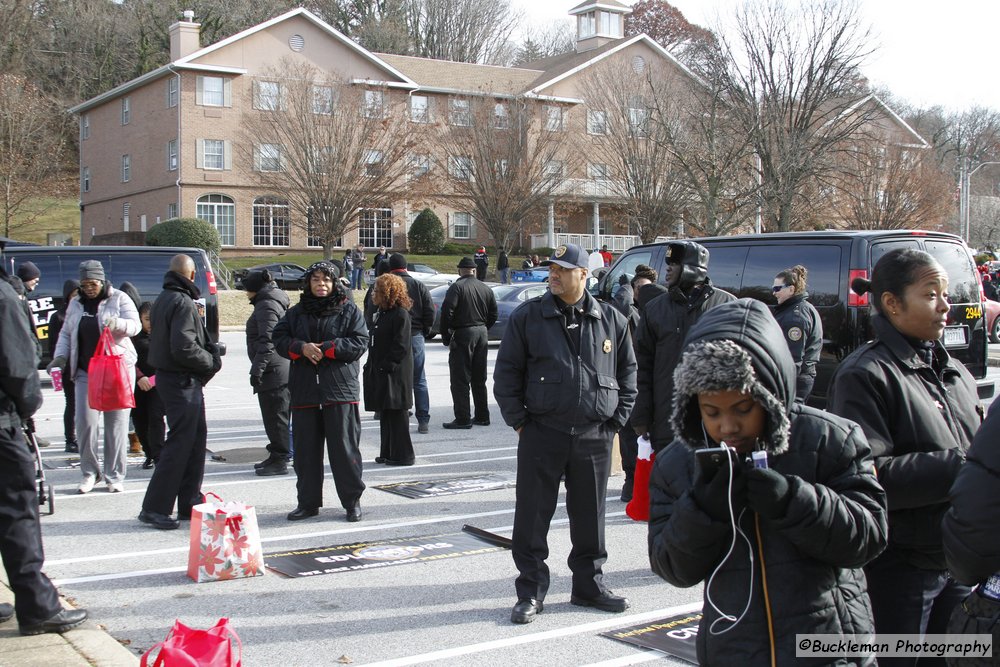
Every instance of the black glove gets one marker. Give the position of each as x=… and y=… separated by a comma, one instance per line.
x=445, y=340
x=216, y=357
x=712, y=494
x=255, y=381
x=768, y=492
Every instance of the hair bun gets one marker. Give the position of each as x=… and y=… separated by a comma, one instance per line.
x=861, y=286
x=266, y=276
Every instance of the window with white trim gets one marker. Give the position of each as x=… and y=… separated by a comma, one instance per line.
x=460, y=167
x=597, y=122
x=172, y=91
x=373, y=163
x=374, y=104
x=461, y=225
x=586, y=25
x=638, y=121
x=126, y=110
x=314, y=237
x=171, y=211
x=420, y=109
x=85, y=179
x=213, y=91
x=459, y=112
x=320, y=162
x=270, y=221
x=375, y=227
x=126, y=168
x=598, y=171
x=267, y=95
x=420, y=165
x=500, y=167
x=220, y=212
x=172, y=155
x=84, y=127
x=268, y=157
x=126, y=216
x=501, y=116
x=213, y=154
x=322, y=100
x=554, y=168
x=553, y=118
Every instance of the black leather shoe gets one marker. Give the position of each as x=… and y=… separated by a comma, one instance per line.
x=275, y=467
x=525, y=610
x=379, y=459
x=457, y=424
x=481, y=422
x=271, y=458
x=65, y=620
x=627, y=491
x=72, y=447
x=391, y=462
x=156, y=520
x=147, y=464
x=6, y=611
x=354, y=514
x=606, y=601
x=300, y=513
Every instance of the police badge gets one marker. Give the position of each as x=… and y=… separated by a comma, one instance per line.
x=795, y=334
x=607, y=346
x=560, y=251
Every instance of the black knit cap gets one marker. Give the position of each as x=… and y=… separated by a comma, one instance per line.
x=397, y=261
x=28, y=271
x=329, y=268
x=255, y=280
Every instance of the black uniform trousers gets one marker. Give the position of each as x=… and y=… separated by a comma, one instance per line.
x=394, y=429
x=340, y=425
x=467, y=365
x=147, y=417
x=181, y=466
x=628, y=447
x=69, y=412
x=543, y=456
x=274, y=407
x=35, y=598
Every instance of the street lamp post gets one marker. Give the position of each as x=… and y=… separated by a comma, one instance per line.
x=964, y=177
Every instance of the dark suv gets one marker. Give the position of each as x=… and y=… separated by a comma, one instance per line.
x=745, y=265
x=143, y=266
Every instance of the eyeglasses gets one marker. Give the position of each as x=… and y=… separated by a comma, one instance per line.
x=778, y=288
x=90, y=283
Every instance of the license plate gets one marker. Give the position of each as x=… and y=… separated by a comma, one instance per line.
x=954, y=336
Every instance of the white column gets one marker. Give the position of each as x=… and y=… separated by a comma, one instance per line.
x=597, y=224
x=551, y=231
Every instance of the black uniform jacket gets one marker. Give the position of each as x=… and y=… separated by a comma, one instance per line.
x=970, y=528
x=20, y=390
x=179, y=340
x=799, y=321
x=343, y=337
x=834, y=524
x=665, y=322
x=467, y=303
x=389, y=367
x=919, y=423
x=537, y=375
x=269, y=305
x=422, y=310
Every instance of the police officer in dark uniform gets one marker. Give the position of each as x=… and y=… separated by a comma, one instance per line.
x=36, y=599
x=800, y=323
x=565, y=381
x=468, y=311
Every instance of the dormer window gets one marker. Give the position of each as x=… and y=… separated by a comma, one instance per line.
x=599, y=23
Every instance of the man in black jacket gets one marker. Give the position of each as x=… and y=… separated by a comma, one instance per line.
x=482, y=261
x=660, y=337
x=37, y=601
x=565, y=381
x=503, y=267
x=421, y=321
x=468, y=311
x=185, y=360
x=268, y=370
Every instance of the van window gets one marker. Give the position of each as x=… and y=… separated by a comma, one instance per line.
x=627, y=266
x=145, y=271
x=822, y=261
x=963, y=280
x=725, y=267
x=883, y=247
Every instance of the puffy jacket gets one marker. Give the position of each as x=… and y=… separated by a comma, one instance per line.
x=665, y=322
x=389, y=368
x=812, y=556
x=179, y=341
x=919, y=423
x=269, y=304
x=343, y=337
x=537, y=375
x=20, y=391
x=116, y=304
x=970, y=527
x=799, y=321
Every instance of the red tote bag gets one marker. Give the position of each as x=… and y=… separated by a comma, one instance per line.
x=108, y=385
x=191, y=647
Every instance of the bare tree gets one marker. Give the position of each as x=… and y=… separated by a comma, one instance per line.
x=506, y=158
x=331, y=147
x=31, y=146
x=794, y=82
x=666, y=25
x=633, y=136
x=544, y=42
x=985, y=222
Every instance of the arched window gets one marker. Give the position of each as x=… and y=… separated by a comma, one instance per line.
x=270, y=221
x=220, y=212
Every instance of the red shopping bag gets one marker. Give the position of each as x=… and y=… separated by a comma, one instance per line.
x=191, y=647
x=108, y=386
x=225, y=541
x=638, y=507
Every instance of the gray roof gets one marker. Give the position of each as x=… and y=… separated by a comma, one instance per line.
x=429, y=73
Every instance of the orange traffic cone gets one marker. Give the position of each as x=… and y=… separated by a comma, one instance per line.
x=638, y=507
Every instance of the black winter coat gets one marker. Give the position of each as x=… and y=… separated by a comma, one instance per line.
x=179, y=341
x=422, y=310
x=389, y=367
x=799, y=321
x=971, y=528
x=343, y=337
x=665, y=322
x=20, y=390
x=537, y=375
x=919, y=424
x=468, y=302
x=834, y=524
x=269, y=305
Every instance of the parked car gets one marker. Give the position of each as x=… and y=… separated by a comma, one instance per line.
x=993, y=319
x=143, y=266
x=745, y=265
x=508, y=297
x=422, y=272
x=287, y=276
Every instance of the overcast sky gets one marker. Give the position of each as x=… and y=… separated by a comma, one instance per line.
x=931, y=53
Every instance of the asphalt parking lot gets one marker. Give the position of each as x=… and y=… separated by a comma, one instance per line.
x=455, y=611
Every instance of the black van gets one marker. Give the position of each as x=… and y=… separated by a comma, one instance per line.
x=745, y=265
x=143, y=266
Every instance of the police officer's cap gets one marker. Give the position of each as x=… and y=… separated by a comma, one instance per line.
x=569, y=256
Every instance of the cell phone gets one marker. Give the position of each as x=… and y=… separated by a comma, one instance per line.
x=712, y=459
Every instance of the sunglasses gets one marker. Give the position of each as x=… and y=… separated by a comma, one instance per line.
x=778, y=288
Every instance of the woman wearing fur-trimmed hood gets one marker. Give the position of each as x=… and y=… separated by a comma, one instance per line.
x=806, y=524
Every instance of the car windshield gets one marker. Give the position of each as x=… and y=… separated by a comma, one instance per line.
x=423, y=268
x=501, y=292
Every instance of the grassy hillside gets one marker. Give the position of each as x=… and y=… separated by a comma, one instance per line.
x=51, y=215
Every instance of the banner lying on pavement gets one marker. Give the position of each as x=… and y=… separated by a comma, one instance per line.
x=449, y=487
x=675, y=635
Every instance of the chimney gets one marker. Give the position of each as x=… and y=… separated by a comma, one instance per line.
x=185, y=36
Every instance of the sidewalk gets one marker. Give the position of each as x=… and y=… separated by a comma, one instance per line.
x=993, y=357
x=84, y=646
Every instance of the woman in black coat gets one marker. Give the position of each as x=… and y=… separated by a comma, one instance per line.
x=800, y=322
x=920, y=410
x=389, y=370
x=324, y=336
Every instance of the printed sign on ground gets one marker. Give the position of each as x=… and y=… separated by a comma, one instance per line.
x=449, y=487
x=675, y=635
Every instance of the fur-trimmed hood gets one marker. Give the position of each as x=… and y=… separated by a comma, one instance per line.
x=736, y=345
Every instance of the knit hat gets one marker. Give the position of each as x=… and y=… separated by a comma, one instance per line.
x=91, y=269
x=329, y=268
x=722, y=365
x=466, y=263
x=397, y=261
x=28, y=271
x=255, y=280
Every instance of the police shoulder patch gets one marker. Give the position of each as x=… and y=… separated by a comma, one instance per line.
x=795, y=333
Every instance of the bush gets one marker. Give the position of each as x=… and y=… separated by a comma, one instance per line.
x=185, y=232
x=459, y=249
x=426, y=234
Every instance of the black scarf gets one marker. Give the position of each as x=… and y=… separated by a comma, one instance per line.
x=178, y=283
x=101, y=296
x=322, y=306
